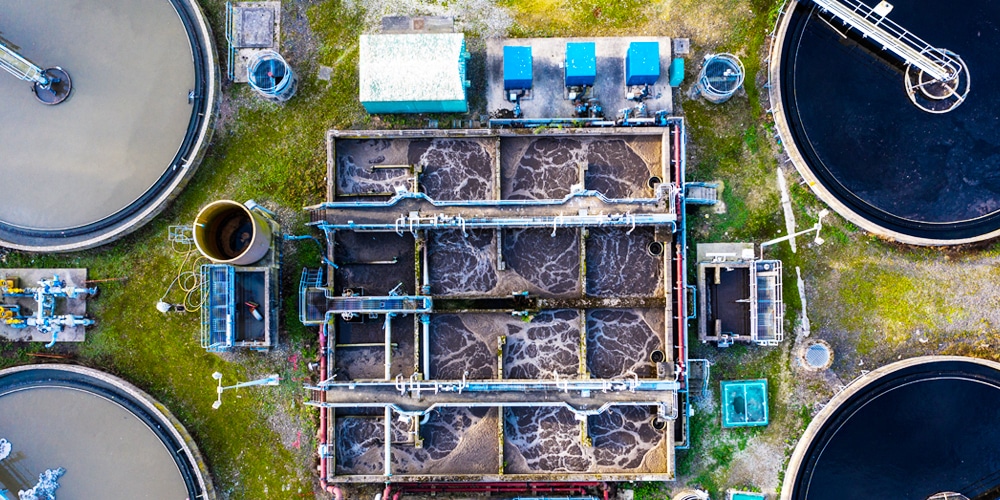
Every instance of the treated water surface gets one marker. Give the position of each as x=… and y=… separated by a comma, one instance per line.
x=106, y=450
x=929, y=433
x=77, y=162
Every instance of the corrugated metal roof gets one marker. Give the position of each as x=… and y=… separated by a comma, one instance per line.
x=412, y=67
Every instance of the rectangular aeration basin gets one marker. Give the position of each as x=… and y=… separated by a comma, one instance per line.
x=550, y=351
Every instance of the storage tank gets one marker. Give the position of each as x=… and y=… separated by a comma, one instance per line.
x=677, y=72
x=110, y=438
x=720, y=77
x=228, y=232
x=271, y=76
x=125, y=141
x=919, y=428
x=875, y=147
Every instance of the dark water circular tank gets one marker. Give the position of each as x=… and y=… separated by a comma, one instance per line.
x=908, y=430
x=866, y=149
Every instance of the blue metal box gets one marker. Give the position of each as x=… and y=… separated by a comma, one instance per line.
x=642, y=63
x=677, y=72
x=516, y=68
x=581, y=64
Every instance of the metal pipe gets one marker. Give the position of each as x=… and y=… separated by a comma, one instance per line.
x=401, y=167
x=399, y=196
x=387, y=445
x=22, y=68
x=680, y=270
x=388, y=346
x=418, y=223
x=574, y=487
x=425, y=324
x=323, y=412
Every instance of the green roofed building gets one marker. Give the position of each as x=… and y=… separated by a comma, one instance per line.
x=413, y=73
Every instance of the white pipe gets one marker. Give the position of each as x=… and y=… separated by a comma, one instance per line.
x=425, y=323
x=388, y=346
x=387, y=446
x=425, y=320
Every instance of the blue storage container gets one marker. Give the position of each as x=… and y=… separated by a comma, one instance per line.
x=642, y=63
x=581, y=64
x=677, y=72
x=516, y=68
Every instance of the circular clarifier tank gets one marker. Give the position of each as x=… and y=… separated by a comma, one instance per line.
x=920, y=166
x=913, y=429
x=112, y=439
x=128, y=137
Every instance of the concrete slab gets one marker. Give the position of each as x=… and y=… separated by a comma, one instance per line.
x=256, y=27
x=29, y=278
x=682, y=46
x=548, y=97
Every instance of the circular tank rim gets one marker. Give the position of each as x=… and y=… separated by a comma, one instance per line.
x=856, y=386
x=260, y=241
x=184, y=164
x=802, y=166
x=155, y=415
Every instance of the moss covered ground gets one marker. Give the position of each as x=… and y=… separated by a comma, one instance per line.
x=874, y=301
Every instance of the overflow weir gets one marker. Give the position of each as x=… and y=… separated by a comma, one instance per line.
x=501, y=305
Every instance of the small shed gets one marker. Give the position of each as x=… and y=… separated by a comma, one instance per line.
x=413, y=73
x=581, y=64
x=642, y=63
x=516, y=67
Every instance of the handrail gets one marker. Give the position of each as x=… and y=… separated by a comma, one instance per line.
x=893, y=37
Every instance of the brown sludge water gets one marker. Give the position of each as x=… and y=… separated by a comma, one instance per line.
x=619, y=342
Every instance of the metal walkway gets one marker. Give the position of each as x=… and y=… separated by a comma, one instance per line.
x=701, y=193
x=872, y=23
x=581, y=396
x=13, y=63
x=397, y=304
x=408, y=211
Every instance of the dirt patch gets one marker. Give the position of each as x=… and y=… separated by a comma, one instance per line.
x=475, y=17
